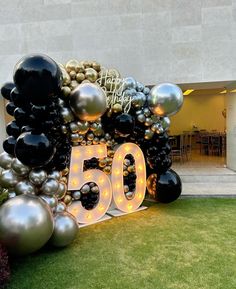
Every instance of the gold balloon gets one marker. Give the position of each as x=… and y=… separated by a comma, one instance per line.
x=151, y=184
x=72, y=74
x=117, y=107
x=96, y=66
x=73, y=84
x=91, y=74
x=79, y=68
x=80, y=77
x=66, y=90
x=71, y=65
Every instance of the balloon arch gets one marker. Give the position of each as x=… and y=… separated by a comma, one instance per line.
x=82, y=138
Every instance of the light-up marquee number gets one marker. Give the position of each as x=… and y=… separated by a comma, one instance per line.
x=119, y=197
x=78, y=177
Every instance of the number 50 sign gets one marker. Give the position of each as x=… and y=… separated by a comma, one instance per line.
x=109, y=188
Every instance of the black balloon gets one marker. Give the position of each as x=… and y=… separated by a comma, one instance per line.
x=168, y=187
x=9, y=145
x=21, y=116
x=18, y=99
x=124, y=124
x=6, y=89
x=13, y=129
x=38, y=77
x=10, y=108
x=33, y=149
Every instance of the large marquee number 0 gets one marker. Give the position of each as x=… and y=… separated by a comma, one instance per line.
x=78, y=177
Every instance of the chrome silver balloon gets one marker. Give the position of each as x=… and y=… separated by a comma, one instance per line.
x=65, y=229
x=138, y=100
x=85, y=189
x=51, y=201
x=83, y=127
x=146, y=112
x=66, y=114
x=165, y=99
x=129, y=195
x=5, y=160
x=26, y=224
x=50, y=187
x=165, y=122
x=25, y=187
x=61, y=207
x=129, y=82
x=19, y=168
x=148, y=121
x=88, y=101
x=95, y=189
x=141, y=118
x=76, y=195
x=54, y=175
x=9, y=179
x=61, y=191
x=146, y=90
x=74, y=127
x=37, y=176
x=140, y=86
x=148, y=134
x=126, y=188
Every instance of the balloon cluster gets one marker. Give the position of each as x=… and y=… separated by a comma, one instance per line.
x=55, y=107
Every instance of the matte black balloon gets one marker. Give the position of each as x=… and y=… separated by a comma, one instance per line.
x=9, y=145
x=39, y=112
x=124, y=124
x=168, y=187
x=38, y=77
x=21, y=116
x=6, y=89
x=10, y=108
x=13, y=129
x=33, y=149
x=18, y=99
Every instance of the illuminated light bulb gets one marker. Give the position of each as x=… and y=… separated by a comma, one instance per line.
x=140, y=168
x=89, y=216
x=87, y=177
x=117, y=185
x=75, y=168
x=101, y=180
x=100, y=151
x=74, y=182
x=119, y=157
x=117, y=172
x=130, y=207
x=140, y=196
x=105, y=193
x=127, y=148
x=89, y=152
x=120, y=200
x=101, y=208
x=141, y=181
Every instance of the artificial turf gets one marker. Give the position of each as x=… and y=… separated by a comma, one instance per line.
x=188, y=244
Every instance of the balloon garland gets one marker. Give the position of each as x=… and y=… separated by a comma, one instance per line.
x=58, y=107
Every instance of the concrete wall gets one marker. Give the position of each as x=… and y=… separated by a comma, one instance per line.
x=202, y=111
x=231, y=130
x=152, y=40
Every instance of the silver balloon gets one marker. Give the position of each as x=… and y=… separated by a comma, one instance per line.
x=67, y=115
x=8, y=179
x=165, y=122
x=146, y=112
x=65, y=229
x=146, y=90
x=5, y=160
x=88, y=101
x=95, y=189
x=54, y=175
x=129, y=195
x=165, y=99
x=37, y=176
x=61, y=207
x=129, y=82
x=83, y=126
x=61, y=191
x=26, y=224
x=138, y=100
x=76, y=195
x=19, y=168
x=50, y=187
x=140, y=86
x=74, y=127
x=51, y=201
x=141, y=118
x=148, y=134
x=85, y=189
x=25, y=187
x=148, y=121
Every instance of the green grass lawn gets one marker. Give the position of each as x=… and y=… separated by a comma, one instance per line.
x=189, y=244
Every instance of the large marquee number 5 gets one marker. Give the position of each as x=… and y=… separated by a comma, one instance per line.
x=78, y=177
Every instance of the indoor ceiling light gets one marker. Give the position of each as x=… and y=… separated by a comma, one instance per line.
x=188, y=91
x=234, y=90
